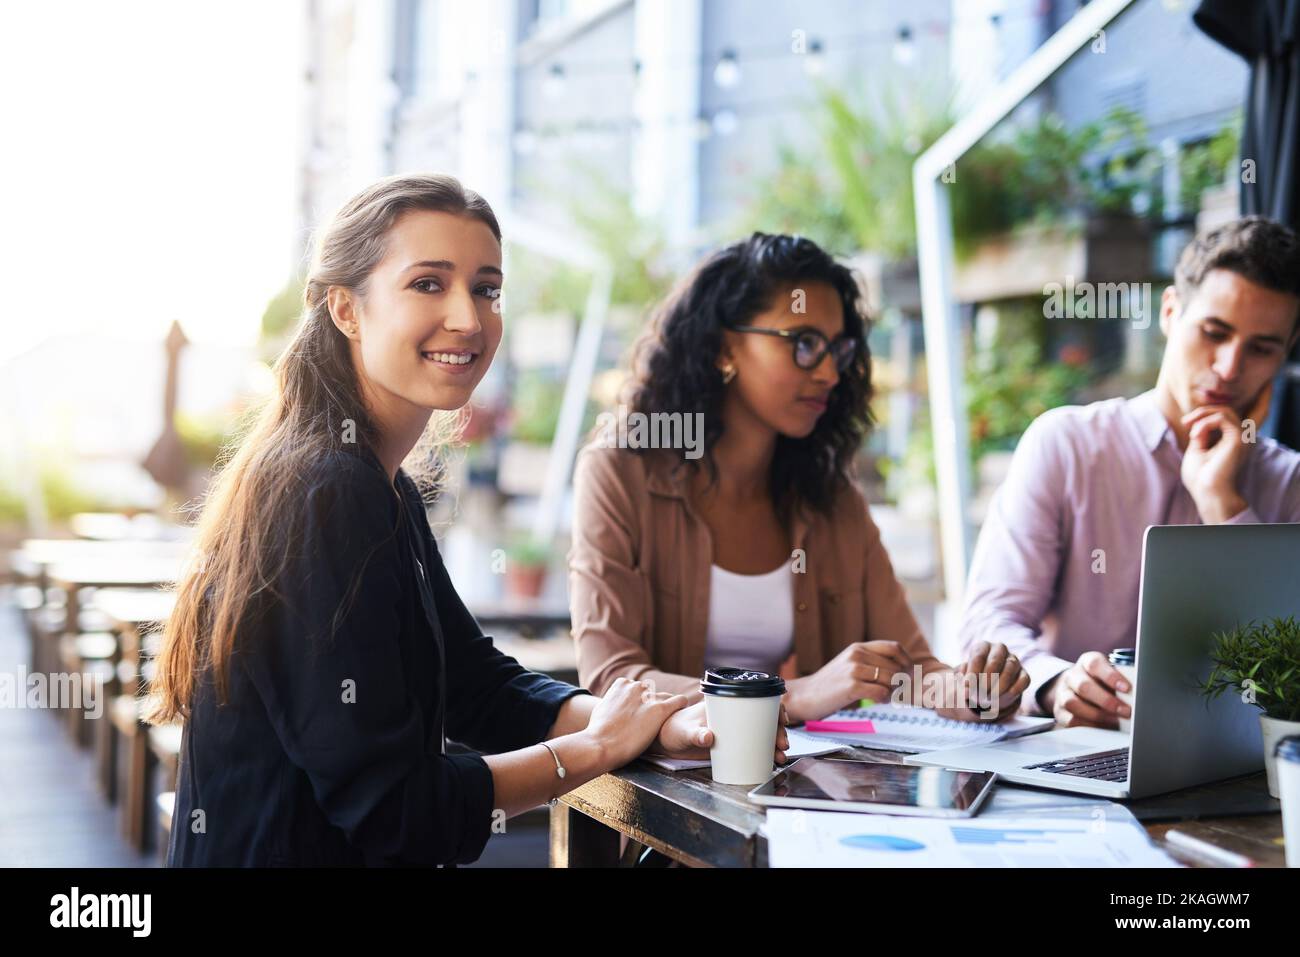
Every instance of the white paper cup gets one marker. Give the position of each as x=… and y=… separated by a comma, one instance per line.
x=1288, y=789
x=743, y=709
x=1123, y=660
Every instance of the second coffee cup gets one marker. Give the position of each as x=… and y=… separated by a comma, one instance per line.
x=1125, y=662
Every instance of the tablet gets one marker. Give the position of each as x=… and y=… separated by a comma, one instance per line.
x=829, y=784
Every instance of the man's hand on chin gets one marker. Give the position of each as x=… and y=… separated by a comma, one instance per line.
x=1216, y=450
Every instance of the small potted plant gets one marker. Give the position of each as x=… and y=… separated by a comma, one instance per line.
x=1260, y=661
x=526, y=561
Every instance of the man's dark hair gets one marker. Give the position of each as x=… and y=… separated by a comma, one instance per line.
x=1254, y=247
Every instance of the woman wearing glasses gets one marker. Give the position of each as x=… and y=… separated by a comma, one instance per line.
x=757, y=551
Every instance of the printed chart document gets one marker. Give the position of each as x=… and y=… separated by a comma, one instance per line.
x=798, y=838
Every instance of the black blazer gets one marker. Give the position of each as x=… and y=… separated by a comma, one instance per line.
x=330, y=750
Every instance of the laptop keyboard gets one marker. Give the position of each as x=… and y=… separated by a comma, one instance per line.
x=1103, y=766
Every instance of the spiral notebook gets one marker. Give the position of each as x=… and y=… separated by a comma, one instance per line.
x=900, y=728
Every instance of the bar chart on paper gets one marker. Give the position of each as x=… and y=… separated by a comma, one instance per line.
x=799, y=838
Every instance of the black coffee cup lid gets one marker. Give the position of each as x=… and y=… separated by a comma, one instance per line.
x=1288, y=749
x=740, y=683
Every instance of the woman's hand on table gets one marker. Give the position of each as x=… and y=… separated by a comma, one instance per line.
x=865, y=669
x=686, y=735
x=628, y=718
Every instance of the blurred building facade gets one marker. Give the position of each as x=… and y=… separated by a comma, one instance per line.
x=677, y=103
x=682, y=104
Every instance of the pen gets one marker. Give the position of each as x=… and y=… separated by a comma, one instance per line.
x=1207, y=850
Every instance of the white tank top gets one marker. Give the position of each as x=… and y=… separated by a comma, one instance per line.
x=751, y=619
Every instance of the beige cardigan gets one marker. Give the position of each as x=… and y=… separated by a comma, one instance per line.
x=639, y=578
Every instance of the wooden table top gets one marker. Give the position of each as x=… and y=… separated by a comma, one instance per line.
x=520, y=613
x=135, y=607
x=687, y=815
x=548, y=655
x=114, y=572
x=47, y=551
x=114, y=526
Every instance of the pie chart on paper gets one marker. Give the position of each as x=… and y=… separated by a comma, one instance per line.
x=881, y=842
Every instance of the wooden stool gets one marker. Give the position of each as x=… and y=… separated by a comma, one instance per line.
x=165, y=743
x=47, y=625
x=106, y=735
x=101, y=679
x=135, y=763
x=28, y=598
x=165, y=740
x=93, y=656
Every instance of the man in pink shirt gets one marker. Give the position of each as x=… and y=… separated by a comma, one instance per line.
x=1055, y=573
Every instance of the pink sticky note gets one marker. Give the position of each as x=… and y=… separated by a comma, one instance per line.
x=850, y=727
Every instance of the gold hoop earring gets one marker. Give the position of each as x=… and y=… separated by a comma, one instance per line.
x=728, y=373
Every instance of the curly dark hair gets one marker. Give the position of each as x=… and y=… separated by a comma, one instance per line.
x=675, y=360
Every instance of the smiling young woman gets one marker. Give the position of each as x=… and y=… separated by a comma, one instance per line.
x=318, y=652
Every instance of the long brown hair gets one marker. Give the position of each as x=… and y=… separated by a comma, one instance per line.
x=240, y=545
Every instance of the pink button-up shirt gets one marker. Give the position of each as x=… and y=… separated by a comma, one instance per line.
x=1057, y=566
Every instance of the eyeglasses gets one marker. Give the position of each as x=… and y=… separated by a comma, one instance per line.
x=810, y=346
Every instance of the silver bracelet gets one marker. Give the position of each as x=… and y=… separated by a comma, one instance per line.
x=559, y=771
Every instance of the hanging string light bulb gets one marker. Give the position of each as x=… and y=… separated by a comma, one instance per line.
x=904, y=46
x=727, y=71
x=554, y=85
x=814, y=61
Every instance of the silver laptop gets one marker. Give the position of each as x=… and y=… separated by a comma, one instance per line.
x=1196, y=580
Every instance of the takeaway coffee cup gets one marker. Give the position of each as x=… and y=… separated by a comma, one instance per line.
x=743, y=708
x=1124, y=661
x=1287, y=754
